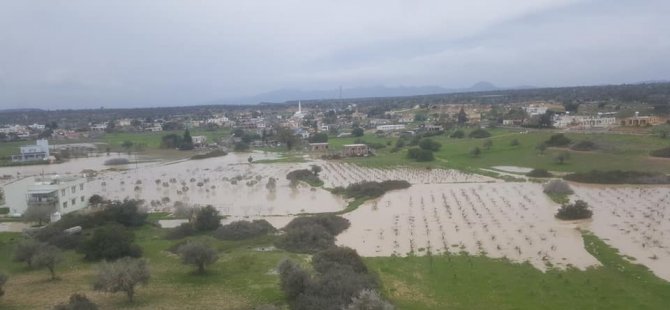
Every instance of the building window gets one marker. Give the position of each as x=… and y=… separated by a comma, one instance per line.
x=65, y=205
x=74, y=189
x=82, y=198
x=81, y=186
x=62, y=192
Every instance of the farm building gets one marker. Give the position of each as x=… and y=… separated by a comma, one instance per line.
x=318, y=147
x=355, y=150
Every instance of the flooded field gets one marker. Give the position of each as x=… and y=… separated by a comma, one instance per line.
x=633, y=219
x=512, y=220
x=444, y=212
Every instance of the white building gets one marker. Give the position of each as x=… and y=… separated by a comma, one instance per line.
x=39, y=151
x=199, y=140
x=391, y=127
x=534, y=110
x=63, y=194
x=584, y=121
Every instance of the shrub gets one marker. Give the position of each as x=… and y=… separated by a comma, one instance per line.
x=304, y=175
x=515, y=142
x=333, y=258
x=458, y=134
x=562, y=157
x=241, y=230
x=207, y=219
x=293, y=280
x=368, y=299
x=558, y=140
x=182, y=231
x=429, y=144
x=55, y=235
x=211, y=154
x=584, y=145
x=420, y=155
x=116, y=161
x=110, y=242
x=371, y=189
x=26, y=249
x=619, y=177
x=479, y=133
x=539, y=173
x=664, y=152
x=126, y=213
x=558, y=187
x=311, y=233
x=475, y=152
x=77, y=302
x=576, y=211
x=306, y=239
x=357, y=132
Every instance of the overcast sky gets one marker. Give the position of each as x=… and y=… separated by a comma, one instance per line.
x=131, y=53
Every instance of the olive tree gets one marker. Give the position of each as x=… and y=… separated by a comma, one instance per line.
x=207, y=219
x=197, y=254
x=48, y=256
x=25, y=250
x=123, y=275
x=77, y=302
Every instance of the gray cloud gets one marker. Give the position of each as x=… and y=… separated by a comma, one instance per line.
x=89, y=53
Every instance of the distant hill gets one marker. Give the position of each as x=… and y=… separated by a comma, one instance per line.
x=283, y=95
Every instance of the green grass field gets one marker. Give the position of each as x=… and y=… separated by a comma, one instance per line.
x=244, y=277
x=475, y=282
x=617, y=151
x=241, y=279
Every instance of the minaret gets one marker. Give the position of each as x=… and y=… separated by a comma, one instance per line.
x=299, y=107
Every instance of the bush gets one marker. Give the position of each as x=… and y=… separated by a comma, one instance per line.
x=664, y=152
x=584, y=146
x=333, y=224
x=241, y=230
x=116, y=161
x=420, y=155
x=557, y=140
x=539, y=173
x=126, y=213
x=110, y=242
x=311, y=234
x=306, y=239
x=333, y=258
x=77, y=302
x=558, y=187
x=619, y=177
x=26, y=249
x=576, y=211
x=369, y=299
x=182, y=231
x=429, y=145
x=211, y=154
x=458, y=134
x=304, y=175
x=371, y=189
x=479, y=133
x=340, y=276
x=357, y=132
x=207, y=219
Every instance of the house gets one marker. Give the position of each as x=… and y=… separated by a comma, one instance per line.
x=318, y=147
x=199, y=140
x=39, y=151
x=640, y=121
x=355, y=150
x=391, y=127
x=583, y=121
x=62, y=194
